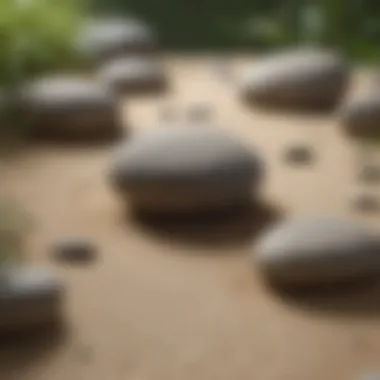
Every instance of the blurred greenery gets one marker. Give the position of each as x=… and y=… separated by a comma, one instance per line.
x=36, y=36
x=350, y=25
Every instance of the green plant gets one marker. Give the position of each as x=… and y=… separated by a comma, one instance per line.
x=37, y=36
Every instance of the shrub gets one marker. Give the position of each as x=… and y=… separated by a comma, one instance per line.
x=37, y=36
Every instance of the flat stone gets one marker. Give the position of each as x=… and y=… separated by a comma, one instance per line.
x=29, y=297
x=68, y=106
x=362, y=200
x=369, y=173
x=299, y=153
x=360, y=116
x=316, y=251
x=134, y=75
x=301, y=79
x=111, y=37
x=185, y=168
x=74, y=250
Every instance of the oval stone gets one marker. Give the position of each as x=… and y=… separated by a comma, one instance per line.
x=68, y=107
x=298, y=153
x=133, y=75
x=29, y=297
x=369, y=173
x=74, y=250
x=301, y=79
x=112, y=37
x=312, y=251
x=185, y=168
x=360, y=116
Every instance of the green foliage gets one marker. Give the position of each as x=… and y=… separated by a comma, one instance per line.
x=36, y=36
x=350, y=25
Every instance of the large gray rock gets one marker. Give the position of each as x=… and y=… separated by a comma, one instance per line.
x=29, y=297
x=111, y=37
x=360, y=116
x=312, y=251
x=300, y=79
x=133, y=75
x=68, y=107
x=185, y=168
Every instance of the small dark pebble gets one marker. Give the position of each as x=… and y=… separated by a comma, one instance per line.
x=364, y=201
x=74, y=250
x=299, y=154
x=369, y=173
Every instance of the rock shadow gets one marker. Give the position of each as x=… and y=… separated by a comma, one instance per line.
x=232, y=226
x=350, y=299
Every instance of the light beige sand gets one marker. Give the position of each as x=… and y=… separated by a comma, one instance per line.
x=157, y=309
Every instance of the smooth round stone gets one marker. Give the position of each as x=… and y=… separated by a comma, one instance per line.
x=360, y=116
x=74, y=250
x=68, y=107
x=369, y=173
x=301, y=79
x=133, y=75
x=112, y=37
x=29, y=297
x=364, y=201
x=316, y=251
x=185, y=168
x=298, y=153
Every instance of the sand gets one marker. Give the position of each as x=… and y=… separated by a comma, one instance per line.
x=181, y=306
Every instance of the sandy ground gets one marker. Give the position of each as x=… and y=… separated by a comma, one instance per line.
x=170, y=306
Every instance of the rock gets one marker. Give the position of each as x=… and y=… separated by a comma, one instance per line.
x=298, y=153
x=133, y=75
x=369, y=173
x=74, y=250
x=302, y=79
x=362, y=200
x=316, y=251
x=112, y=37
x=69, y=107
x=185, y=168
x=360, y=116
x=29, y=297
